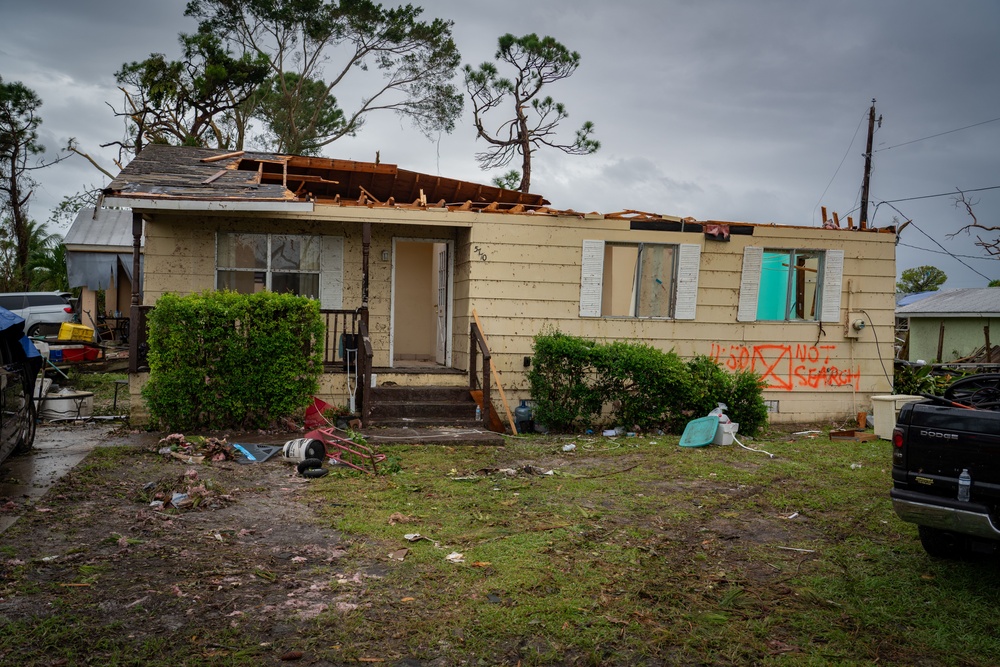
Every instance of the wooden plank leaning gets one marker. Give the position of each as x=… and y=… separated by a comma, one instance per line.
x=496, y=376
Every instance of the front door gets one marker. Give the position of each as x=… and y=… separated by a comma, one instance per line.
x=442, y=304
x=421, y=303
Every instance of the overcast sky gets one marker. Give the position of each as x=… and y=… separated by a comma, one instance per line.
x=728, y=110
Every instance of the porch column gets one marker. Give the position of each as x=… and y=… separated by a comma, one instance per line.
x=133, y=322
x=366, y=242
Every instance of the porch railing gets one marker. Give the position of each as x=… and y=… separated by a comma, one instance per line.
x=477, y=345
x=341, y=335
x=138, y=348
x=365, y=355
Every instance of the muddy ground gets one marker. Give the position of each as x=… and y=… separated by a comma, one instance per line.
x=251, y=568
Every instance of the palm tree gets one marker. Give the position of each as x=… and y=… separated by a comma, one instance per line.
x=47, y=267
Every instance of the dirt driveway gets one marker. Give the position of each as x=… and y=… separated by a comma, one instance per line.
x=246, y=559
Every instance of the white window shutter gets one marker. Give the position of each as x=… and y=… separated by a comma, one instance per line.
x=833, y=280
x=688, y=264
x=591, y=278
x=331, y=277
x=753, y=258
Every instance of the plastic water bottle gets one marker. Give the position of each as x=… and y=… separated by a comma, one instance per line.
x=479, y=413
x=964, y=485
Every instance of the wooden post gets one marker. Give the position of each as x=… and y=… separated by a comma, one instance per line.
x=133, y=321
x=473, y=351
x=989, y=350
x=366, y=242
x=940, y=342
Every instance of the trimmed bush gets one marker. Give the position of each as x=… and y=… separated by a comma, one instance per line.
x=573, y=381
x=645, y=386
x=228, y=360
x=562, y=378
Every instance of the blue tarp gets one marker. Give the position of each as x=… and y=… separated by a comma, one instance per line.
x=12, y=329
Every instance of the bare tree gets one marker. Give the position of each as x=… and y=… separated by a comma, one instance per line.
x=537, y=62
x=991, y=246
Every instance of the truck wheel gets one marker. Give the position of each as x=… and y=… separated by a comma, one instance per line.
x=942, y=544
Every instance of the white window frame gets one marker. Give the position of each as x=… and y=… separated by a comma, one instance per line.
x=330, y=273
x=831, y=282
x=684, y=283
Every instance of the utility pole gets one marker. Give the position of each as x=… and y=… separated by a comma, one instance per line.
x=868, y=165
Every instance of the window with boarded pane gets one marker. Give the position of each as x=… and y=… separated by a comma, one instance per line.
x=651, y=280
x=790, y=285
x=249, y=263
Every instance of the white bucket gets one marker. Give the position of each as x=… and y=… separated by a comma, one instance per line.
x=67, y=404
x=300, y=449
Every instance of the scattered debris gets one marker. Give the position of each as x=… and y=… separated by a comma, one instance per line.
x=399, y=517
x=311, y=468
x=196, y=449
x=415, y=537
x=852, y=434
x=398, y=554
x=570, y=447
x=455, y=557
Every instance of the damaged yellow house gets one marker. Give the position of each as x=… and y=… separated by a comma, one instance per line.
x=403, y=262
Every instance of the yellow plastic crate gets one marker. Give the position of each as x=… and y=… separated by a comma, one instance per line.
x=69, y=331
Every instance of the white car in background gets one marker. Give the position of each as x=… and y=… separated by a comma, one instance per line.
x=43, y=312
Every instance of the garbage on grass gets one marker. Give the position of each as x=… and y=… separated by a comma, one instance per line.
x=196, y=449
x=455, y=557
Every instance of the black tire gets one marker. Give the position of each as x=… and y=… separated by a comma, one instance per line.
x=308, y=464
x=35, y=330
x=942, y=544
x=26, y=438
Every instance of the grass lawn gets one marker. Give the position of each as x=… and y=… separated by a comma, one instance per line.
x=635, y=550
x=625, y=551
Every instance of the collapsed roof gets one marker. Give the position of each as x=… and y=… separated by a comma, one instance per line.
x=182, y=173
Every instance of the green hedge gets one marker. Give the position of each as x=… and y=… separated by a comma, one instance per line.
x=578, y=383
x=228, y=360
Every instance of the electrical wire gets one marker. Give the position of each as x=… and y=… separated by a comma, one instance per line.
x=940, y=252
x=877, y=349
x=935, y=241
x=939, y=134
x=943, y=194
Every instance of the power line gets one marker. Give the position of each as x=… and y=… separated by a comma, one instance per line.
x=935, y=241
x=943, y=194
x=939, y=134
x=941, y=252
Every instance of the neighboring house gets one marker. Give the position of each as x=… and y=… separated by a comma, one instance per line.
x=415, y=257
x=952, y=324
x=99, y=257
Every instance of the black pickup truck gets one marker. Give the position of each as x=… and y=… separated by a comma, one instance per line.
x=937, y=440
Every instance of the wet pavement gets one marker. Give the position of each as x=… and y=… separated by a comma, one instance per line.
x=58, y=448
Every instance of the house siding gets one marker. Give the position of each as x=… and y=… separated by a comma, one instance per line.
x=521, y=274
x=962, y=336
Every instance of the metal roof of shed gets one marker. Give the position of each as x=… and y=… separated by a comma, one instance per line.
x=969, y=302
